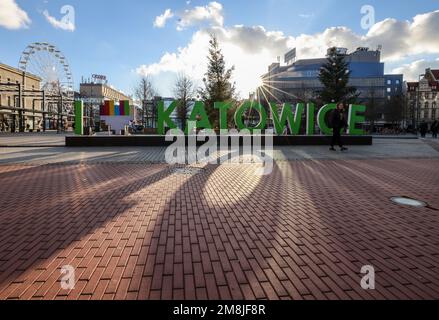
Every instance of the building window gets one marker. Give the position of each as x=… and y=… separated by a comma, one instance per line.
x=433, y=114
x=389, y=90
x=398, y=82
x=426, y=105
x=389, y=82
x=9, y=101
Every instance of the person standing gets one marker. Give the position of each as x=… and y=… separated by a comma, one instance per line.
x=435, y=129
x=338, y=122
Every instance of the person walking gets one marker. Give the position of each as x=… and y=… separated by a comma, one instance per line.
x=435, y=129
x=338, y=122
x=423, y=128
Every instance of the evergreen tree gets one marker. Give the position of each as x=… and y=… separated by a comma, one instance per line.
x=217, y=83
x=334, y=76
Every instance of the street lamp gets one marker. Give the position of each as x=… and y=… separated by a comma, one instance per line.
x=418, y=102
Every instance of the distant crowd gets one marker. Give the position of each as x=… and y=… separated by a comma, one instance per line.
x=434, y=129
x=424, y=129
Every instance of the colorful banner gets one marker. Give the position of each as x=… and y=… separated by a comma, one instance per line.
x=127, y=108
x=109, y=109
x=125, y=105
x=112, y=111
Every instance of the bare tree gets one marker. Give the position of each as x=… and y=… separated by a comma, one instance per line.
x=144, y=92
x=395, y=110
x=184, y=92
x=373, y=113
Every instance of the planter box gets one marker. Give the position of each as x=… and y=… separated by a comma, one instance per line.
x=158, y=141
x=149, y=131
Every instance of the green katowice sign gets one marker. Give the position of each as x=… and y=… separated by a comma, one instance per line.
x=286, y=119
x=79, y=116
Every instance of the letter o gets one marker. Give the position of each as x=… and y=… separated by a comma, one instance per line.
x=246, y=106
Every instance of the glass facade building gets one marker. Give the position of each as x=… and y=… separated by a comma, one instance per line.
x=298, y=81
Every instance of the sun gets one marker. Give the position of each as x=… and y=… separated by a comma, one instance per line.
x=259, y=82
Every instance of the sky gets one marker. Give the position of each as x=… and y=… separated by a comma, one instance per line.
x=125, y=40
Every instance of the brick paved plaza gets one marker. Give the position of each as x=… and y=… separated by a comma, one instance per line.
x=135, y=228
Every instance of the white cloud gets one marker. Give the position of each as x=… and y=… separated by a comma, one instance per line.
x=160, y=21
x=252, y=49
x=399, y=39
x=412, y=70
x=66, y=23
x=212, y=14
x=12, y=16
x=249, y=49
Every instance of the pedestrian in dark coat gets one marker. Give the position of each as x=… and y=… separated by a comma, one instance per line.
x=338, y=122
x=423, y=128
x=435, y=129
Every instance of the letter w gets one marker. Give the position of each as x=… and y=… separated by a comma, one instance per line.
x=287, y=118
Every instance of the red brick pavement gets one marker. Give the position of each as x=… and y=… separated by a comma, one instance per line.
x=143, y=232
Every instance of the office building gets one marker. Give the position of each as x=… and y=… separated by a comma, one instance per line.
x=298, y=80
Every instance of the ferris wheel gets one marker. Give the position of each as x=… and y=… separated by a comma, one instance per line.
x=48, y=63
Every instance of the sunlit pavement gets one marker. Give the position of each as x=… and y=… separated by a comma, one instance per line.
x=135, y=228
x=382, y=149
x=47, y=139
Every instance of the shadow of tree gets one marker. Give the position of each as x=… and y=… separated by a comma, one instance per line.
x=218, y=238
x=46, y=209
x=145, y=232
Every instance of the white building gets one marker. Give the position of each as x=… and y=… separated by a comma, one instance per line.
x=423, y=98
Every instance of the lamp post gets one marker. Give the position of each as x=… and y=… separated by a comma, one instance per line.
x=418, y=102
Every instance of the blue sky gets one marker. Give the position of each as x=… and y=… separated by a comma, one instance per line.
x=115, y=38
